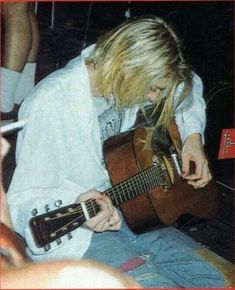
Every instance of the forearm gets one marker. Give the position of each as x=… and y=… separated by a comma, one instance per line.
x=190, y=117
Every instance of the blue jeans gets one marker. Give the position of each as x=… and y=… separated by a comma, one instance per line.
x=161, y=258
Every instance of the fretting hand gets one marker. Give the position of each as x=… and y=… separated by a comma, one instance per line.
x=193, y=151
x=107, y=218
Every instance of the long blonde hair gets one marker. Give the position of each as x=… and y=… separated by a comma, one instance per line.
x=129, y=58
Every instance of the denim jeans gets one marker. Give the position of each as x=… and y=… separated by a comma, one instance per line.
x=160, y=258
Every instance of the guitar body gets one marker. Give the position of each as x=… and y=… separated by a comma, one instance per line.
x=131, y=152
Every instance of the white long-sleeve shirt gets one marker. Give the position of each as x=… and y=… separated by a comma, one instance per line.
x=59, y=151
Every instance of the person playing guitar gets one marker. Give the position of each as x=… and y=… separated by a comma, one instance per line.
x=60, y=159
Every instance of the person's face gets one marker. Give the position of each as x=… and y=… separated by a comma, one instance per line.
x=157, y=88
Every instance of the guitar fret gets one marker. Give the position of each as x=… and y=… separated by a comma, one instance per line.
x=157, y=179
x=154, y=180
x=134, y=189
x=92, y=207
x=143, y=184
x=131, y=187
x=140, y=183
x=135, y=185
x=135, y=192
x=119, y=197
x=110, y=193
x=129, y=190
x=148, y=180
x=123, y=191
x=129, y=195
x=114, y=195
x=151, y=178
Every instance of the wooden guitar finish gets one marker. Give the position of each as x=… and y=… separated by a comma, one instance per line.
x=130, y=153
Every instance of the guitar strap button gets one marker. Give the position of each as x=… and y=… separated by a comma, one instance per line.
x=58, y=241
x=47, y=208
x=34, y=212
x=58, y=203
x=47, y=248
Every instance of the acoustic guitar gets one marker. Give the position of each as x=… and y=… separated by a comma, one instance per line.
x=145, y=170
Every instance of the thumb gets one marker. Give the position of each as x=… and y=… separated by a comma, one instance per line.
x=185, y=165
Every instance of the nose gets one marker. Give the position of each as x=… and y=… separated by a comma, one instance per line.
x=152, y=95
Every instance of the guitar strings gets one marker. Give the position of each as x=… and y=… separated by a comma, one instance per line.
x=146, y=179
x=149, y=178
x=72, y=212
x=133, y=186
x=65, y=226
x=74, y=220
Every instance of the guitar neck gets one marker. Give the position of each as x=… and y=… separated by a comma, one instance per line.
x=129, y=189
x=140, y=183
x=49, y=226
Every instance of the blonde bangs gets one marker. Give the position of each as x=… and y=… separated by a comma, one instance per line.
x=134, y=55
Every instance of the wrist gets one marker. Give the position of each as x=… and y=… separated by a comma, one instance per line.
x=194, y=137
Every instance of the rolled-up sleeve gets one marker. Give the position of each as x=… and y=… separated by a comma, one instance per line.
x=190, y=116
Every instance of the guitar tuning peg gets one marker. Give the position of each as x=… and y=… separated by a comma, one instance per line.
x=34, y=212
x=47, y=248
x=47, y=208
x=58, y=203
x=69, y=236
x=58, y=241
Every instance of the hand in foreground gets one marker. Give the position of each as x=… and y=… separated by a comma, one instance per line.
x=193, y=151
x=4, y=147
x=107, y=218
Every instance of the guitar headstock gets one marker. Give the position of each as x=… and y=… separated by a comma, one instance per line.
x=52, y=225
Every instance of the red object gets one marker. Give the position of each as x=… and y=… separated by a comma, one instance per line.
x=227, y=144
x=131, y=264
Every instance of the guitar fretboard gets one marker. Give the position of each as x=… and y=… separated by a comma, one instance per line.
x=134, y=186
x=49, y=226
